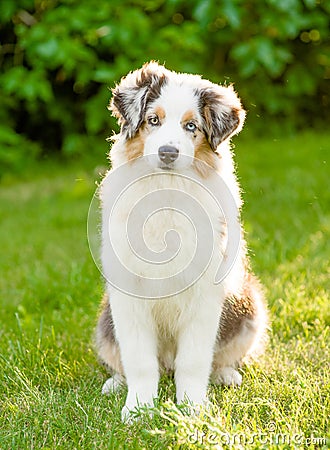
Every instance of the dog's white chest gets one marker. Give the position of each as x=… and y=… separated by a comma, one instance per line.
x=165, y=229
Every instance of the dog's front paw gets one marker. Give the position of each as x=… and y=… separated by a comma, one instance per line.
x=195, y=409
x=229, y=377
x=130, y=414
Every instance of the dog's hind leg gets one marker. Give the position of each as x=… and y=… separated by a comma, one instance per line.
x=113, y=384
x=108, y=349
x=241, y=333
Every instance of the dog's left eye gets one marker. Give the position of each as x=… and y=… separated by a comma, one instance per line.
x=153, y=120
x=190, y=126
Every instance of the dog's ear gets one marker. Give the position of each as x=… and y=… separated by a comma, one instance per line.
x=222, y=113
x=130, y=98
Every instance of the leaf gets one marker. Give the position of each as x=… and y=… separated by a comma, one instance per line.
x=233, y=13
x=12, y=79
x=96, y=112
x=7, y=9
x=202, y=12
x=73, y=144
x=300, y=81
x=242, y=51
x=48, y=49
x=103, y=73
x=310, y=3
x=249, y=68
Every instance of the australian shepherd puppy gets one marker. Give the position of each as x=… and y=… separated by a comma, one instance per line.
x=160, y=317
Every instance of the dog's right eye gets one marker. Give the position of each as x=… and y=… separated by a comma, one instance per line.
x=153, y=120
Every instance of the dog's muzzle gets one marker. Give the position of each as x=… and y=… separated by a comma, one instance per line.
x=167, y=154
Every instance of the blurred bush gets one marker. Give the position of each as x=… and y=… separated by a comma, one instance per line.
x=58, y=58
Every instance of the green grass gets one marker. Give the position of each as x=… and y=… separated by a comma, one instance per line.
x=50, y=290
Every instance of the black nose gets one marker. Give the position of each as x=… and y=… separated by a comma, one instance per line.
x=168, y=154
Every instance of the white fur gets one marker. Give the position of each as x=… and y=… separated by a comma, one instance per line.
x=190, y=319
x=178, y=332
x=172, y=132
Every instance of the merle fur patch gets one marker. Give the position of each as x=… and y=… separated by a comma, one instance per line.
x=132, y=96
x=221, y=117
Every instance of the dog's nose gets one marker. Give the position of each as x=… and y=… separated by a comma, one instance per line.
x=168, y=154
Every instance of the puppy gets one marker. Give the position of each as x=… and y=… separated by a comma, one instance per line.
x=171, y=314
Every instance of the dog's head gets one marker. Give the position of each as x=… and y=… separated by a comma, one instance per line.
x=172, y=115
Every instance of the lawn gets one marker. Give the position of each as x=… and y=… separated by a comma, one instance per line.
x=50, y=291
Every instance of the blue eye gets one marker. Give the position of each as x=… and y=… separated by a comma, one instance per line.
x=190, y=126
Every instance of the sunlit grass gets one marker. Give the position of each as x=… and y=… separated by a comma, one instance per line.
x=50, y=289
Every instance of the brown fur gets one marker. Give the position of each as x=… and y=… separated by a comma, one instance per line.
x=205, y=158
x=188, y=116
x=237, y=310
x=160, y=112
x=135, y=145
x=106, y=342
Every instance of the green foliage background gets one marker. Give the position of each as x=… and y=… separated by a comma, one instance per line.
x=59, y=57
